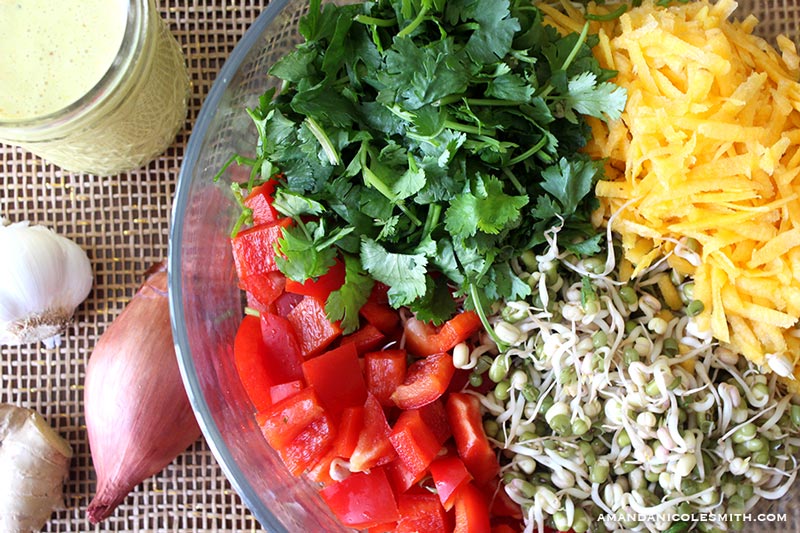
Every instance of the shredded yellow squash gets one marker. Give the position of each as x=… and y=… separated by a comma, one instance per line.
x=707, y=152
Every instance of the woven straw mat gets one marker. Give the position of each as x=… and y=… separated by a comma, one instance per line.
x=123, y=223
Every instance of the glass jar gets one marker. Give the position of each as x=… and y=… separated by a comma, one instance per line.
x=127, y=118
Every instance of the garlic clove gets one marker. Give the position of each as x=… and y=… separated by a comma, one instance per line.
x=43, y=278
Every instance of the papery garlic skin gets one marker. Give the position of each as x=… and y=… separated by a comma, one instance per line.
x=43, y=278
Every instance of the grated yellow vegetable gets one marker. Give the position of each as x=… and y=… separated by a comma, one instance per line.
x=709, y=148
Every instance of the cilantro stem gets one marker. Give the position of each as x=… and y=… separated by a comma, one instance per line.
x=372, y=179
x=239, y=160
x=476, y=303
x=374, y=21
x=529, y=152
x=514, y=181
x=608, y=16
x=466, y=128
x=405, y=32
x=324, y=141
x=492, y=102
x=570, y=58
x=434, y=212
x=252, y=312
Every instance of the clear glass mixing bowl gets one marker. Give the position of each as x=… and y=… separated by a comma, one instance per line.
x=206, y=304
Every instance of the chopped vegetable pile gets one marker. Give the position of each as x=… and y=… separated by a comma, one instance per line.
x=435, y=313
x=429, y=137
x=609, y=403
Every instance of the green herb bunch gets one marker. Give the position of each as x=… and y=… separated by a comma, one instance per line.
x=426, y=143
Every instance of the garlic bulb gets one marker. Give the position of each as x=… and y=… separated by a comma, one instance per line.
x=43, y=278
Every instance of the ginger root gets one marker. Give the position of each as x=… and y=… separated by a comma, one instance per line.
x=34, y=463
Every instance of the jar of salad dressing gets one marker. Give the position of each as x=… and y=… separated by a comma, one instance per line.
x=96, y=86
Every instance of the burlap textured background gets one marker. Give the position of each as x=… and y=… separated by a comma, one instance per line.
x=123, y=223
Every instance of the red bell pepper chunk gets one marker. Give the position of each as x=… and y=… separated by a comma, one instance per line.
x=472, y=511
x=401, y=477
x=284, y=390
x=313, y=328
x=260, y=203
x=366, y=339
x=415, y=443
x=252, y=362
x=286, y=302
x=263, y=289
x=506, y=528
x=350, y=426
x=320, y=472
x=384, y=372
x=362, y=500
x=424, y=339
x=427, y=379
x=309, y=446
x=336, y=376
x=321, y=287
x=381, y=316
x=254, y=249
x=283, y=421
x=500, y=503
x=282, y=348
x=464, y=416
x=374, y=447
x=421, y=512
x=449, y=475
x=435, y=416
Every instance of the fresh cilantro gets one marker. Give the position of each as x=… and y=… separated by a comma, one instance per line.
x=343, y=304
x=427, y=144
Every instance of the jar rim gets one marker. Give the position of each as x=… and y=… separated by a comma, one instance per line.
x=130, y=49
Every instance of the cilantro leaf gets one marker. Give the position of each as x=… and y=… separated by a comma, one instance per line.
x=489, y=209
x=585, y=96
x=343, y=304
x=570, y=181
x=405, y=274
x=301, y=256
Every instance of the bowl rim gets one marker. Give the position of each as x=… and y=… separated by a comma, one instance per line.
x=186, y=364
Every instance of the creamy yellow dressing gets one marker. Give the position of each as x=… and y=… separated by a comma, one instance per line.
x=52, y=52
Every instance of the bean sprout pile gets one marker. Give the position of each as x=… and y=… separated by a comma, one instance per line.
x=607, y=403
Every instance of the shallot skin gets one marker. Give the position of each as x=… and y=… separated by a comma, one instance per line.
x=138, y=416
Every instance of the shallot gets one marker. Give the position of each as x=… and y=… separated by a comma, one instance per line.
x=138, y=415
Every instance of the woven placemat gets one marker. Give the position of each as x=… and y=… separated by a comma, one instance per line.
x=123, y=223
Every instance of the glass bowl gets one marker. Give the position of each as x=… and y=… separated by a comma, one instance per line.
x=206, y=305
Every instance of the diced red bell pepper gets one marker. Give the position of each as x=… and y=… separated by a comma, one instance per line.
x=312, y=326
x=282, y=348
x=421, y=512
x=285, y=420
x=388, y=527
x=350, y=426
x=309, y=446
x=321, y=287
x=472, y=511
x=464, y=416
x=504, y=527
x=381, y=316
x=320, y=471
x=374, y=447
x=284, y=390
x=252, y=362
x=401, y=477
x=415, y=443
x=254, y=249
x=426, y=380
x=384, y=372
x=424, y=339
x=362, y=500
x=263, y=289
x=500, y=503
x=449, y=474
x=435, y=416
x=366, y=339
x=286, y=302
x=336, y=376
x=260, y=203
